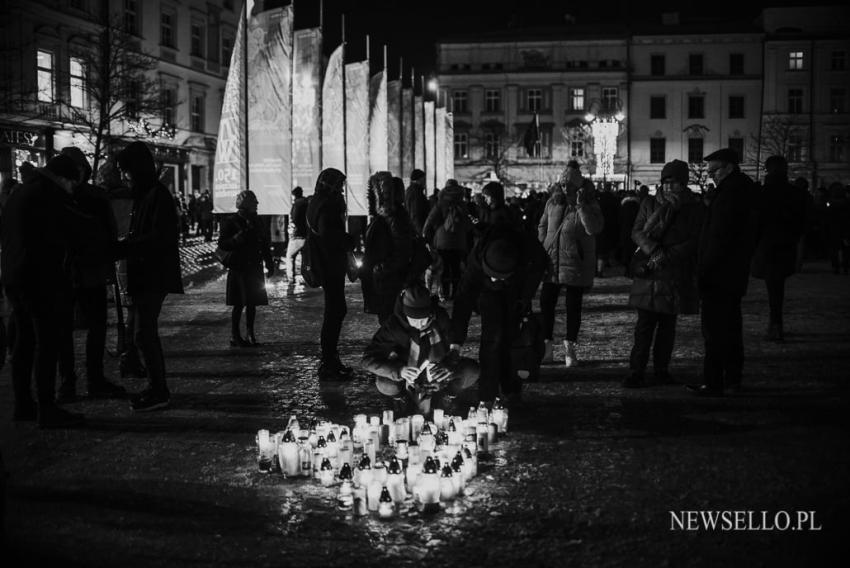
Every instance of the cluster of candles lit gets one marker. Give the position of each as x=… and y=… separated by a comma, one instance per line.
x=381, y=461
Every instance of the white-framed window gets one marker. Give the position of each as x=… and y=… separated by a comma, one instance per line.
x=577, y=99
x=46, y=72
x=461, y=145
x=609, y=99
x=534, y=99
x=167, y=20
x=459, y=101
x=77, y=72
x=796, y=60
x=491, y=145
x=196, y=114
x=131, y=17
x=492, y=100
x=197, y=38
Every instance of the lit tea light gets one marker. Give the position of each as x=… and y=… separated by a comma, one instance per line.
x=265, y=447
x=386, y=507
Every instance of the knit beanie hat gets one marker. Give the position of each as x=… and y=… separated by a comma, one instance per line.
x=416, y=302
x=501, y=258
x=676, y=170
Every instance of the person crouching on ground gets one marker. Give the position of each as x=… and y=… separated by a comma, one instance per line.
x=411, y=356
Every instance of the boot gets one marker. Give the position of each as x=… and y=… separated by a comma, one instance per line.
x=130, y=365
x=570, y=358
x=548, y=352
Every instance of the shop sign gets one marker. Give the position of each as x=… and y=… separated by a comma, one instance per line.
x=17, y=137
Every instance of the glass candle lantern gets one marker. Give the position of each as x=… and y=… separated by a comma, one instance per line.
x=386, y=507
x=289, y=455
x=472, y=459
x=374, y=421
x=459, y=472
x=388, y=417
x=370, y=450
x=414, y=454
x=395, y=480
x=401, y=449
x=305, y=456
x=326, y=473
x=293, y=424
x=265, y=448
x=438, y=416
x=363, y=473
x=402, y=428
x=373, y=494
x=345, y=498
x=492, y=433
x=360, y=508
x=482, y=414
x=411, y=479
x=428, y=486
x=379, y=473
x=447, y=485
x=359, y=425
x=482, y=433
x=417, y=421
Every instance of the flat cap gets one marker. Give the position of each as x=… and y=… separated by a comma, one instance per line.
x=724, y=155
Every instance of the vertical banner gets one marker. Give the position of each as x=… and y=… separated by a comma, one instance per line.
x=406, y=133
x=270, y=109
x=394, y=127
x=440, y=150
x=418, y=134
x=378, y=122
x=333, y=119
x=306, y=109
x=229, y=174
x=430, y=156
x=450, y=146
x=357, y=136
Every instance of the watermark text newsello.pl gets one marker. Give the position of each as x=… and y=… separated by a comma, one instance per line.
x=744, y=521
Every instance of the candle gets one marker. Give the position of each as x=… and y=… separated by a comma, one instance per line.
x=373, y=494
x=447, y=486
x=293, y=424
x=318, y=456
x=414, y=454
x=369, y=450
x=438, y=416
x=388, y=417
x=459, y=476
x=471, y=459
x=374, y=421
x=401, y=449
x=346, y=451
x=482, y=413
x=492, y=433
x=429, y=483
x=375, y=436
x=386, y=432
x=416, y=423
x=455, y=437
x=359, y=425
x=289, y=455
x=379, y=473
x=481, y=439
x=395, y=481
x=402, y=428
x=305, y=456
x=386, y=508
x=345, y=499
x=360, y=508
x=326, y=474
x=266, y=449
x=412, y=475
x=363, y=474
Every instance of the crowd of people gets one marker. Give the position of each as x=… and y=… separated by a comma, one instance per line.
x=425, y=264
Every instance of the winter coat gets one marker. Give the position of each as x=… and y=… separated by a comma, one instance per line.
x=397, y=344
x=298, y=218
x=567, y=233
x=607, y=239
x=95, y=269
x=781, y=221
x=448, y=225
x=518, y=289
x=40, y=226
x=671, y=288
x=417, y=207
x=629, y=208
x=727, y=238
x=326, y=216
x=251, y=250
x=386, y=259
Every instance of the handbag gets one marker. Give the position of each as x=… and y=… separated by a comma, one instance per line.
x=225, y=257
x=311, y=270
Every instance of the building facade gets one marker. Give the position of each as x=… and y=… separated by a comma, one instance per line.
x=49, y=98
x=678, y=90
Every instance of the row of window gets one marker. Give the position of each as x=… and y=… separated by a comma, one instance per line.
x=696, y=106
x=796, y=60
x=168, y=30
x=535, y=99
x=657, y=147
x=47, y=85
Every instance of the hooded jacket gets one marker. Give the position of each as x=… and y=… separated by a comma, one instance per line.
x=151, y=247
x=448, y=225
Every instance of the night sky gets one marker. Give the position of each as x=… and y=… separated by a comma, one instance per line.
x=411, y=27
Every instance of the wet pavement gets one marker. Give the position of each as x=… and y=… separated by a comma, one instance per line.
x=587, y=475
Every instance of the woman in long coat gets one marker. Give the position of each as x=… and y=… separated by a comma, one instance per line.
x=571, y=219
x=667, y=232
x=246, y=283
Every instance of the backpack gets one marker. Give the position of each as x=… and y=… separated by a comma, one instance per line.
x=311, y=268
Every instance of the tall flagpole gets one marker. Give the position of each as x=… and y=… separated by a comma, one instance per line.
x=321, y=15
x=245, y=89
x=344, y=118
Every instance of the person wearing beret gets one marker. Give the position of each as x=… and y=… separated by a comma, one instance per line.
x=411, y=356
x=41, y=225
x=502, y=274
x=666, y=231
x=246, y=284
x=725, y=248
